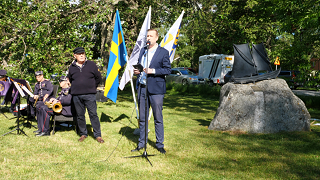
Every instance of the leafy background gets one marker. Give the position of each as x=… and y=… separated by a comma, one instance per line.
x=38, y=35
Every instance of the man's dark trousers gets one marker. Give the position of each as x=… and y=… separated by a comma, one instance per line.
x=80, y=103
x=156, y=102
x=43, y=116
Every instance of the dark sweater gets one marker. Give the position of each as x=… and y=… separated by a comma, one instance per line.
x=84, y=80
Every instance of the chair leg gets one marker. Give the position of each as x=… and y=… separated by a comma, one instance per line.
x=54, y=126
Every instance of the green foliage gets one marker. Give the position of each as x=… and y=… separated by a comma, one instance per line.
x=311, y=101
x=41, y=34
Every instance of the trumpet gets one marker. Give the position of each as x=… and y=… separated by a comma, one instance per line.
x=57, y=107
x=35, y=102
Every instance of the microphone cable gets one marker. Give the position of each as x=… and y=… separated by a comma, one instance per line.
x=112, y=150
x=130, y=121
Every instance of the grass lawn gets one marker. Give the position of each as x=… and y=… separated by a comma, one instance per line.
x=193, y=151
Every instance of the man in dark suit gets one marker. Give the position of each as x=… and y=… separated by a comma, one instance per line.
x=43, y=90
x=156, y=65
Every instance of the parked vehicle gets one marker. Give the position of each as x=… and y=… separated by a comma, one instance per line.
x=291, y=78
x=184, y=76
x=227, y=77
x=214, y=67
x=189, y=68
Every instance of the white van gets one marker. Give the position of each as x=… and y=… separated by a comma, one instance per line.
x=214, y=67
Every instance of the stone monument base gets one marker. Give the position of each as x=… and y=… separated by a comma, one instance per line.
x=268, y=106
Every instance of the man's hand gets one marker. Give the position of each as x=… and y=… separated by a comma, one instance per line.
x=55, y=101
x=35, y=96
x=149, y=70
x=45, y=97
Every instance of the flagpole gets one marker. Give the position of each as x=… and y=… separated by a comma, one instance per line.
x=134, y=96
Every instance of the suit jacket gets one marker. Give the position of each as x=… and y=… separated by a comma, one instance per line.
x=65, y=99
x=161, y=63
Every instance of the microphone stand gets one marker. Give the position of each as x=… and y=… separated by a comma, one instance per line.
x=18, y=129
x=28, y=108
x=145, y=154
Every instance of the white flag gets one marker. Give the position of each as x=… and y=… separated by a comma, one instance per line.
x=170, y=41
x=141, y=41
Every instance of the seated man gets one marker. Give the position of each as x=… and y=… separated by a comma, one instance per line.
x=42, y=90
x=3, y=75
x=45, y=113
x=5, y=78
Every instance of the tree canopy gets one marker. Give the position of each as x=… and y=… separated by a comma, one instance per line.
x=42, y=34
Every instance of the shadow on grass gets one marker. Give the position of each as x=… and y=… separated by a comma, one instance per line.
x=119, y=118
x=204, y=122
x=286, y=155
x=105, y=118
x=184, y=101
x=189, y=104
x=14, y=123
x=90, y=131
x=128, y=133
x=61, y=128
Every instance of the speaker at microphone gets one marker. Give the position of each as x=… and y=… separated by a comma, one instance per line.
x=148, y=43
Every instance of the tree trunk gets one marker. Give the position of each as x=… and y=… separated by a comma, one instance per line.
x=106, y=38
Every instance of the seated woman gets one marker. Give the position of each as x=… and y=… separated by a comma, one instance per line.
x=45, y=112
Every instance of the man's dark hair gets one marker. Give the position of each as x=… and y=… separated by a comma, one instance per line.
x=155, y=31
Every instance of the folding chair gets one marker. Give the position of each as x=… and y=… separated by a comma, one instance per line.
x=62, y=118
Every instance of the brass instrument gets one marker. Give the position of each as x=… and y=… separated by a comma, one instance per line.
x=57, y=107
x=35, y=102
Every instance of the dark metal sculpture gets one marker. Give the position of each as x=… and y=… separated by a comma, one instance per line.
x=246, y=67
x=243, y=62
x=260, y=57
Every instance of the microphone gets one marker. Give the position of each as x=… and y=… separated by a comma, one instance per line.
x=148, y=43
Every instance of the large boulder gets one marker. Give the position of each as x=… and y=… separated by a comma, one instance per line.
x=267, y=106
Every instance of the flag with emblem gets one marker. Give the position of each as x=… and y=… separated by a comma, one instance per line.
x=170, y=41
x=117, y=59
x=140, y=43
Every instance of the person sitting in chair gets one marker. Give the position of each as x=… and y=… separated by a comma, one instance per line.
x=42, y=90
x=45, y=113
x=3, y=75
x=6, y=79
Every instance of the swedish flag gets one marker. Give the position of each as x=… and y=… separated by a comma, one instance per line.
x=117, y=59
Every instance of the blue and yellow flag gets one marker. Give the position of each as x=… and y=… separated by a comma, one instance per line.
x=117, y=59
x=170, y=41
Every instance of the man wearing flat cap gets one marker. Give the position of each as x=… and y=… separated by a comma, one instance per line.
x=45, y=112
x=3, y=75
x=84, y=78
x=4, y=83
x=42, y=90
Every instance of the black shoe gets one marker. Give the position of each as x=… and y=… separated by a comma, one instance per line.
x=43, y=134
x=161, y=150
x=15, y=113
x=136, y=149
x=37, y=131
